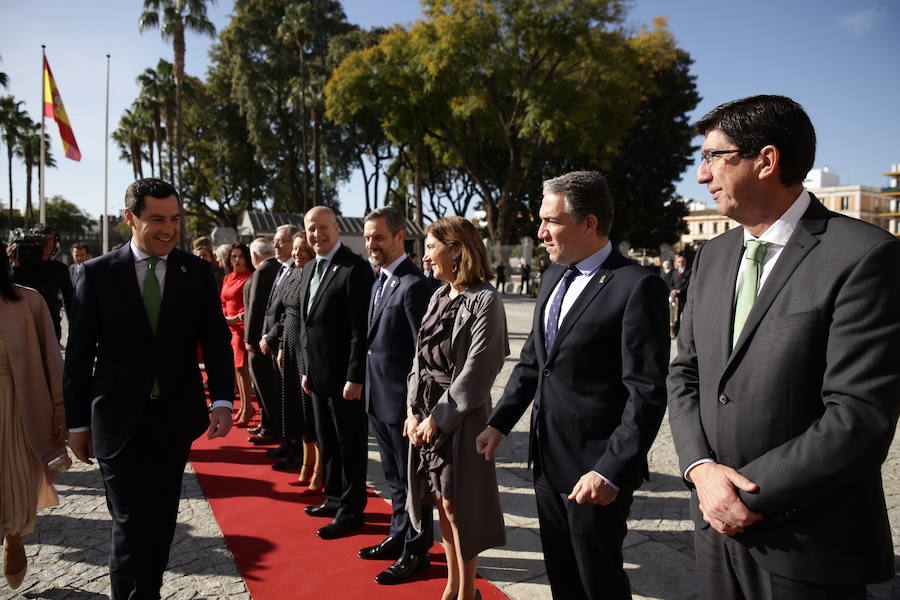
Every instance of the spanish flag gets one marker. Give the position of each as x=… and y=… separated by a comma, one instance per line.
x=53, y=107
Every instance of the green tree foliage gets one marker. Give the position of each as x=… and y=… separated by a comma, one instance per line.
x=13, y=121
x=65, y=216
x=502, y=88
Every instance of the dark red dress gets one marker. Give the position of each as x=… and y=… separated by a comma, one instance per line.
x=232, y=296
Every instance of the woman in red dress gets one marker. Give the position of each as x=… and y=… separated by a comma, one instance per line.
x=240, y=269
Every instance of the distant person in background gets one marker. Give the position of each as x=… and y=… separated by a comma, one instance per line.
x=678, y=282
x=32, y=418
x=526, y=277
x=296, y=405
x=240, y=269
x=460, y=349
x=49, y=277
x=204, y=253
x=221, y=253
x=80, y=253
x=256, y=295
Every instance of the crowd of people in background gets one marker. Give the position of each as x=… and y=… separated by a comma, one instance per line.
x=783, y=397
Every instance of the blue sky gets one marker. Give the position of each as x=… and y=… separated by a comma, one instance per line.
x=839, y=59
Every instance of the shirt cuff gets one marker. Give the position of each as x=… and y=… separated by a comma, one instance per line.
x=79, y=429
x=226, y=403
x=608, y=482
x=694, y=464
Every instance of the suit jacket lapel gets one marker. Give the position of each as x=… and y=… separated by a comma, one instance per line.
x=390, y=285
x=597, y=283
x=802, y=241
x=726, y=316
x=124, y=269
x=333, y=267
x=305, y=280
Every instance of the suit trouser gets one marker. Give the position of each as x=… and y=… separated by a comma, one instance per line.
x=582, y=544
x=264, y=372
x=341, y=432
x=394, y=449
x=727, y=571
x=143, y=487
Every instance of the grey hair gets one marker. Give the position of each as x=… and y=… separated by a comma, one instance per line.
x=292, y=228
x=394, y=219
x=222, y=252
x=262, y=247
x=584, y=193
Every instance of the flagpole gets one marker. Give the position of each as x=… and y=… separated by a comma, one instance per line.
x=41, y=171
x=106, y=168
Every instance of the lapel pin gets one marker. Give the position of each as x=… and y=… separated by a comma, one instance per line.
x=602, y=279
x=183, y=269
x=393, y=283
x=334, y=268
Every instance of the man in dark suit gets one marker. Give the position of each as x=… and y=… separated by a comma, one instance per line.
x=336, y=287
x=289, y=453
x=141, y=311
x=256, y=298
x=594, y=366
x=784, y=396
x=399, y=299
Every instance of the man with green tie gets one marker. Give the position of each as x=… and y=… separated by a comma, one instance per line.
x=336, y=287
x=133, y=390
x=785, y=392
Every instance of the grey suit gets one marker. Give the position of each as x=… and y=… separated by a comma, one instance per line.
x=806, y=404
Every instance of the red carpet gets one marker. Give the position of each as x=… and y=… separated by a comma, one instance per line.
x=274, y=542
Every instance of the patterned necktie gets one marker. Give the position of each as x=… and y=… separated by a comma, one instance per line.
x=379, y=289
x=316, y=280
x=552, y=326
x=754, y=255
x=152, y=302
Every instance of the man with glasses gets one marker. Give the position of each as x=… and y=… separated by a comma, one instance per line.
x=783, y=398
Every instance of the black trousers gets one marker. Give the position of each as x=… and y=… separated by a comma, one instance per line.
x=582, y=544
x=394, y=450
x=727, y=571
x=341, y=430
x=143, y=487
x=267, y=381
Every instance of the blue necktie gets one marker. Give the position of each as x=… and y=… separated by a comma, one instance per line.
x=379, y=289
x=552, y=326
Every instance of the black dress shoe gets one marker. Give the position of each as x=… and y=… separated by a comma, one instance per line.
x=404, y=568
x=389, y=549
x=264, y=438
x=340, y=527
x=321, y=510
x=255, y=430
x=288, y=463
x=279, y=452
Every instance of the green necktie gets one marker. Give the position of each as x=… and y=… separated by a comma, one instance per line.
x=316, y=280
x=754, y=255
x=152, y=301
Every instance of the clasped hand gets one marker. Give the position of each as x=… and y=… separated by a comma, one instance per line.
x=720, y=504
x=420, y=433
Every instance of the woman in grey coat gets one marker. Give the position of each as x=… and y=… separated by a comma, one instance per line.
x=460, y=350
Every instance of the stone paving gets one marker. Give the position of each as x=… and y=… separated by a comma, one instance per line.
x=68, y=552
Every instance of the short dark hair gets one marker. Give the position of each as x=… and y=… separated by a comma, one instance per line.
x=7, y=291
x=757, y=121
x=584, y=193
x=149, y=186
x=395, y=221
x=245, y=252
x=79, y=246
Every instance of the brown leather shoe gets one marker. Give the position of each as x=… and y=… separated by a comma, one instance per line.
x=14, y=558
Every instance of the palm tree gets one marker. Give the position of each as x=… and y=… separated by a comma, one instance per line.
x=129, y=136
x=12, y=120
x=29, y=150
x=4, y=78
x=174, y=17
x=158, y=97
x=315, y=100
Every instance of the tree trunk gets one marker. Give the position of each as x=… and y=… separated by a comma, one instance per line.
x=29, y=211
x=417, y=191
x=178, y=43
x=9, y=153
x=318, y=159
x=303, y=126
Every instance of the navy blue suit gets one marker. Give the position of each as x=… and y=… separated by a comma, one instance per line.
x=391, y=340
x=141, y=442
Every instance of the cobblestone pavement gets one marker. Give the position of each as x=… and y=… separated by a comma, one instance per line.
x=68, y=552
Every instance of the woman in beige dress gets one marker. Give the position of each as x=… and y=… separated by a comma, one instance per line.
x=32, y=417
x=461, y=347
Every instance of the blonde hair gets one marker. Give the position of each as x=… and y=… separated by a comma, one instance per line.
x=473, y=266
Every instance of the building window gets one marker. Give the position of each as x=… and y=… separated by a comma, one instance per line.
x=715, y=228
x=699, y=227
x=845, y=202
x=727, y=225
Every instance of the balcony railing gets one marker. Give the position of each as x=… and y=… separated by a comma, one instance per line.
x=890, y=190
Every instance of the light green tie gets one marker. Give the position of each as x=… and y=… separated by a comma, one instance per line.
x=316, y=280
x=754, y=255
x=152, y=302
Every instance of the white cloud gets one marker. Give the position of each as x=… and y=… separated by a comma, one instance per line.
x=860, y=22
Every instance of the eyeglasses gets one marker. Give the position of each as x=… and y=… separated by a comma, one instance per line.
x=708, y=155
